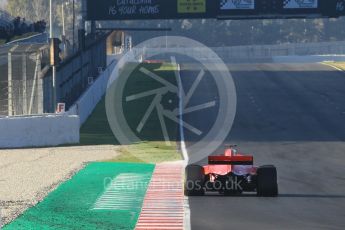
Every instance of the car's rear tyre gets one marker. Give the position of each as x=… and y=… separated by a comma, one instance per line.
x=194, y=180
x=267, y=181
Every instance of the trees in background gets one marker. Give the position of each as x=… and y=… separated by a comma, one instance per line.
x=24, y=18
x=37, y=10
x=20, y=27
x=210, y=32
x=31, y=10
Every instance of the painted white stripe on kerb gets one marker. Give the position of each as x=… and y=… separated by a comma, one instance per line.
x=121, y=193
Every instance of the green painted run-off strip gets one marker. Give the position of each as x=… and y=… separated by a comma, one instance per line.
x=81, y=203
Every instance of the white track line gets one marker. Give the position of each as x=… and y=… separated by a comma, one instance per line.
x=181, y=107
x=330, y=65
x=186, y=219
x=165, y=206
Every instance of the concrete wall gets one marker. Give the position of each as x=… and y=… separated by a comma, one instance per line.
x=269, y=51
x=53, y=129
x=237, y=54
x=38, y=131
x=309, y=59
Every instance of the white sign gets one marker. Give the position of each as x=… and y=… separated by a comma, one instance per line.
x=300, y=4
x=61, y=108
x=237, y=4
x=133, y=7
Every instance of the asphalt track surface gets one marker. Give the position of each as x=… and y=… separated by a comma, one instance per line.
x=292, y=116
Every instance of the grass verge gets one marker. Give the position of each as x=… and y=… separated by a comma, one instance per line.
x=337, y=65
x=147, y=152
x=340, y=65
x=96, y=130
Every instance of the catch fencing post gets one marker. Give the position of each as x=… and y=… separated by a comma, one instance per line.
x=24, y=72
x=10, y=83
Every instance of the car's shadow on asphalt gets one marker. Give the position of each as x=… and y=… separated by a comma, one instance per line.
x=283, y=195
x=311, y=196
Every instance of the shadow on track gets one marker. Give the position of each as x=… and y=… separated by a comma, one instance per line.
x=285, y=195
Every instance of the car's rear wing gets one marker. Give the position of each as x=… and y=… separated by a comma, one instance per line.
x=230, y=160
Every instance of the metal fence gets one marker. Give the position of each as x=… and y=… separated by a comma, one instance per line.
x=3, y=81
x=26, y=77
x=21, y=87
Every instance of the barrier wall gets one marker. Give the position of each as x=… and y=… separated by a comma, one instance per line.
x=309, y=59
x=238, y=54
x=38, y=131
x=53, y=129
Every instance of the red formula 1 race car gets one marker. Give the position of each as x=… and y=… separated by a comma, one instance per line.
x=231, y=174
